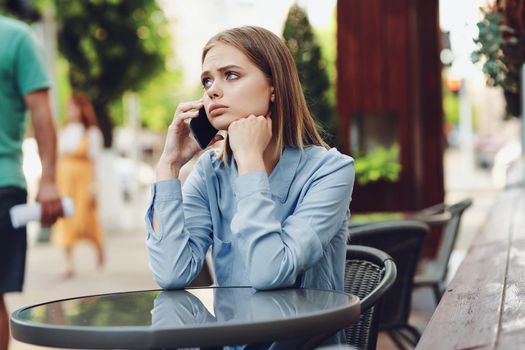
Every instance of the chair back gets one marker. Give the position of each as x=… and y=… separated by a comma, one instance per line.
x=403, y=241
x=369, y=274
x=449, y=238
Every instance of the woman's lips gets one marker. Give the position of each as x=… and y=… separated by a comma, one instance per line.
x=216, y=110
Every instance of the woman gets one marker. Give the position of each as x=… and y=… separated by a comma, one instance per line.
x=274, y=204
x=80, y=144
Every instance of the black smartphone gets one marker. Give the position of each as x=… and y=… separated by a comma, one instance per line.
x=202, y=129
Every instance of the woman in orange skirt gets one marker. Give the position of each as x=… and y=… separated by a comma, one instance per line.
x=80, y=144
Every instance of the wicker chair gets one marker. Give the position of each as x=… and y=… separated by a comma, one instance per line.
x=369, y=274
x=403, y=241
x=434, y=272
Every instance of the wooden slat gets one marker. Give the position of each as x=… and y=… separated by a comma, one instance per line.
x=371, y=53
x=427, y=142
x=512, y=326
x=513, y=317
x=469, y=312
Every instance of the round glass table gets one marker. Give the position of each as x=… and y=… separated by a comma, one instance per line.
x=194, y=317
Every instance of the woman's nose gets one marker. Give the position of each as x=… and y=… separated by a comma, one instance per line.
x=214, y=90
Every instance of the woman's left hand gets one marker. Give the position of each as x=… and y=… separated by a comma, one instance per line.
x=248, y=139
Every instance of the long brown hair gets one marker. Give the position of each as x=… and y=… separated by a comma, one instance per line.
x=87, y=112
x=293, y=124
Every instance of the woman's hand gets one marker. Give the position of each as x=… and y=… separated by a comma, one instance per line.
x=249, y=138
x=180, y=147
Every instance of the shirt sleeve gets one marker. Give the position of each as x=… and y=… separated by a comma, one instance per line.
x=276, y=254
x=30, y=69
x=178, y=252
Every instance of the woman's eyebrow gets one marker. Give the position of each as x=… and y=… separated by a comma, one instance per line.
x=221, y=69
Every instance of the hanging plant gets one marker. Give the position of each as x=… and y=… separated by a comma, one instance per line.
x=501, y=43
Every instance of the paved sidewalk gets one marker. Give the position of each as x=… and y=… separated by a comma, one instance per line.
x=126, y=269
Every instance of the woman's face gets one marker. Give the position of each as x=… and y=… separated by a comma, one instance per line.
x=234, y=86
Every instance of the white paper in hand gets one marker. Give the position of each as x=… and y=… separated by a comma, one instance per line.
x=21, y=214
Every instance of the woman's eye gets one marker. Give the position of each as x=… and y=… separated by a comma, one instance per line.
x=231, y=75
x=206, y=82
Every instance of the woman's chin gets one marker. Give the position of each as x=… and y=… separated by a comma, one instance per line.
x=221, y=126
x=222, y=122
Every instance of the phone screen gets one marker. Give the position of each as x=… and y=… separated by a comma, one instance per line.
x=202, y=129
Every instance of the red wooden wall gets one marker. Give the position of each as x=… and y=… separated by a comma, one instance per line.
x=388, y=65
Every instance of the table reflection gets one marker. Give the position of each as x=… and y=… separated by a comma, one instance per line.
x=114, y=310
x=237, y=305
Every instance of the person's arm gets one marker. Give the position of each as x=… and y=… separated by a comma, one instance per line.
x=276, y=253
x=179, y=147
x=180, y=308
x=43, y=124
x=178, y=244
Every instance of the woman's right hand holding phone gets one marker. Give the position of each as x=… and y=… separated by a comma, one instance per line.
x=180, y=147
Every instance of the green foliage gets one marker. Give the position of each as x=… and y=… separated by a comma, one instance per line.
x=376, y=217
x=501, y=48
x=451, y=109
x=299, y=38
x=158, y=100
x=378, y=164
x=63, y=87
x=451, y=106
x=5, y=10
x=112, y=46
x=490, y=41
x=22, y=10
x=327, y=37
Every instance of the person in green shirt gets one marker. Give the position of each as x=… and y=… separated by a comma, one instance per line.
x=24, y=85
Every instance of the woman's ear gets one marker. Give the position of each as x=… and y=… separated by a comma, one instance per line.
x=272, y=96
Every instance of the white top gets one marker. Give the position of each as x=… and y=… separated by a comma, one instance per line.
x=71, y=136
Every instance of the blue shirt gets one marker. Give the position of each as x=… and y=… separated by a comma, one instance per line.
x=286, y=229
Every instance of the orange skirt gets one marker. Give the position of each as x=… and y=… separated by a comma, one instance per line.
x=74, y=179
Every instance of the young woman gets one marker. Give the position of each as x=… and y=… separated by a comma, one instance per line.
x=80, y=144
x=274, y=203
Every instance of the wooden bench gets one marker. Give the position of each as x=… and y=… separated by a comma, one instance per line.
x=484, y=305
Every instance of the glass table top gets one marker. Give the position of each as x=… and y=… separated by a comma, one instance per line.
x=182, y=308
